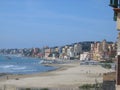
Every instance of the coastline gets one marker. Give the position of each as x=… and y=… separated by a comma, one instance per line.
x=7, y=76
x=67, y=75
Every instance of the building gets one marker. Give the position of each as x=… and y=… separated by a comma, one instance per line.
x=47, y=52
x=103, y=50
x=70, y=52
x=64, y=52
x=85, y=56
x=77, y=50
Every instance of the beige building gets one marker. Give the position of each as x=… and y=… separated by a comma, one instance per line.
x=102, y=50
x=96, y=51
x=63, y=54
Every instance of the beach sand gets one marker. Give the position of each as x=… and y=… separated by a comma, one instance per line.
x=68, y=75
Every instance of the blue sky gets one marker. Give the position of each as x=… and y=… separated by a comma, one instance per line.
x=38, y=23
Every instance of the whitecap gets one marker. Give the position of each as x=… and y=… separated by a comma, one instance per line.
x=8, y=66
x=19, y=68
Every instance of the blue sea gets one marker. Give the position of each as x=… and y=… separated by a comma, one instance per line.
x=22, y=65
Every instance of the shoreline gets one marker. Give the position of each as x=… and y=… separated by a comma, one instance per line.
x=58, y=64
x=67, y=75
x=7, y=76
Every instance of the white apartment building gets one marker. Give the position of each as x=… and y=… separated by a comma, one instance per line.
x=85, y=56
x=70, y=52
x=77, y=49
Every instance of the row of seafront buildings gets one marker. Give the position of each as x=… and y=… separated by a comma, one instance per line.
x=95, y=51
x=103, y=50
x=83, y=50
x=100, y=51
x=65, y=52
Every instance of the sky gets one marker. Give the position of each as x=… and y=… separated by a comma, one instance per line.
x=38, y=23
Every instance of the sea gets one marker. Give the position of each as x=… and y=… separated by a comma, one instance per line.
x=11, y=64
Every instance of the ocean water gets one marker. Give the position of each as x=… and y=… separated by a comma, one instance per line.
x=22, y=65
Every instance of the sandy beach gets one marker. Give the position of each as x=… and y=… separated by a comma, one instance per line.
x=68, y=75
